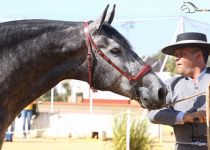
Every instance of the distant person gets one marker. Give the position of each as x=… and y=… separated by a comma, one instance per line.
x=10, y=132
x=26, y=114
x=188, y=117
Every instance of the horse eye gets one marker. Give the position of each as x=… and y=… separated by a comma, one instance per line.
x=115, y=51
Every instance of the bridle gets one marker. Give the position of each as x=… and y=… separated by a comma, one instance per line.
x=89, y=42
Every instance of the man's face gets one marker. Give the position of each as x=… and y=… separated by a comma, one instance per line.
x=186, y=60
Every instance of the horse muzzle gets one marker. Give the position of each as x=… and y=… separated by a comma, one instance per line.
x=152, y=98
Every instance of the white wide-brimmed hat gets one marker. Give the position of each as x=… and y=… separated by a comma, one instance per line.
x=188, y=39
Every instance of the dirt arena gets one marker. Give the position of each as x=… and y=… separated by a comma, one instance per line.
x=57, y=144
x=69, y=144
x=81, y=144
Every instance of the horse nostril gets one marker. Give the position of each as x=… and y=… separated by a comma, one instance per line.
x=162, y=94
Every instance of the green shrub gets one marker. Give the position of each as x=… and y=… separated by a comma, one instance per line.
x=140, y=139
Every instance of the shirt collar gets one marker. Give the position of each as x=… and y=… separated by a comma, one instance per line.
x=200, y=75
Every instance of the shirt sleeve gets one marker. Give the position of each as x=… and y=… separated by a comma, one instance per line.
x=168, y=115
x=179, y=118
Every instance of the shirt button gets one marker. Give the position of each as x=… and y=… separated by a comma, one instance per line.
x=195, y=87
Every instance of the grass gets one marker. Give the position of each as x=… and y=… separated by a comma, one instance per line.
x=140, y=139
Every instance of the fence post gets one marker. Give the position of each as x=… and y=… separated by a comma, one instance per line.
x=91, y=100
x=128, y=124
x=208, y=114
x=52, y=98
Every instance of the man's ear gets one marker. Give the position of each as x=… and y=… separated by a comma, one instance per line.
x=199, y=54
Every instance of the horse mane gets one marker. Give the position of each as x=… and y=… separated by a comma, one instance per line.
x=111, y=32
x=17, y=31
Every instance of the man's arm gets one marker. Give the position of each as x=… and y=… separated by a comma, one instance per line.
x=165, y=116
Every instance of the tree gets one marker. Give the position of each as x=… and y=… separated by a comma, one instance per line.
x=170, y=64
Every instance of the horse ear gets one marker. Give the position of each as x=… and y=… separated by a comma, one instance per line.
x=96, y=25
x=110, y=16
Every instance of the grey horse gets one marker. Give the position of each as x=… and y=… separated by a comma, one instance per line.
x=35, y=55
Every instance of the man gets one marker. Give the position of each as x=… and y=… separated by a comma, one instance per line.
x=188, y=117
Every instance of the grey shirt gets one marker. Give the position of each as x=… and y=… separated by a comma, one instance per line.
x=179, y=88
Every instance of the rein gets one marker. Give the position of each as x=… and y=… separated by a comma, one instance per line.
x=89, y=42
x=186, y=98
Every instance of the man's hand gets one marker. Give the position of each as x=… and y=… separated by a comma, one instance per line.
x=199, y=115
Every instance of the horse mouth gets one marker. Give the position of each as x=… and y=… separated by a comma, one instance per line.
x=150, y=104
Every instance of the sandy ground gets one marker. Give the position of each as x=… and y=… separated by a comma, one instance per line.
x=69, y=144
x=56, y=144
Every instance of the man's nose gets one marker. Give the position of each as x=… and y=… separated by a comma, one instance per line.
x=177, y=58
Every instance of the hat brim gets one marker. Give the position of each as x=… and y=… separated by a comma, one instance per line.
x=170, y=49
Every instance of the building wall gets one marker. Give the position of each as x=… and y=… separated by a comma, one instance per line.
x=75, y=121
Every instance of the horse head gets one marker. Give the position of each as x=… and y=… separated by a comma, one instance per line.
x=117, y=68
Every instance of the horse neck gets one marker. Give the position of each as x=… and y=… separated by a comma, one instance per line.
x=42, y=60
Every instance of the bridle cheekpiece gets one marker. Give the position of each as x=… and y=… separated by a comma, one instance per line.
x=89, y=41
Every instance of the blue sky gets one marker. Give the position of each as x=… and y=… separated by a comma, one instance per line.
x=149, y=25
